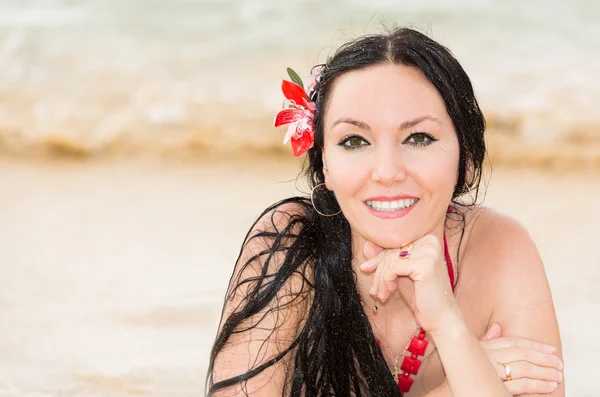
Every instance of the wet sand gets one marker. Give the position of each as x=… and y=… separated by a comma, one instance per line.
x=112, y=274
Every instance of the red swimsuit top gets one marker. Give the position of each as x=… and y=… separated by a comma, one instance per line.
x=449, y=263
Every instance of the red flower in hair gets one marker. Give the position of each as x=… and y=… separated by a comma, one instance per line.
x=299, y=116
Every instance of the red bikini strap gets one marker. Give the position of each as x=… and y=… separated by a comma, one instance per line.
x=449, y=263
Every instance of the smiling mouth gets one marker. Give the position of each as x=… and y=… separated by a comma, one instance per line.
x=395, y=205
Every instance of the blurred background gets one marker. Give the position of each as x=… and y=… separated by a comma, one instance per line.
x=136, y=149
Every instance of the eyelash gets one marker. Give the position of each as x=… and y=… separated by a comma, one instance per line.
x=347, y=138
x=430, y=138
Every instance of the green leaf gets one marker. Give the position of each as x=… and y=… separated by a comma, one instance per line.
x=295, y=78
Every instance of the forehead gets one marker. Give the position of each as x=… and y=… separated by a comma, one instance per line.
x=384, y=95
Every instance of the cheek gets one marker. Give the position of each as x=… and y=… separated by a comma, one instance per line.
x=346, y=174
x=436, y=172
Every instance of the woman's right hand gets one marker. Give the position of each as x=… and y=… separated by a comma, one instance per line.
x=533, y=367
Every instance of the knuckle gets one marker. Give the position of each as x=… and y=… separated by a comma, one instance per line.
x=524, y=353
x=430, y=250
x=429, y=238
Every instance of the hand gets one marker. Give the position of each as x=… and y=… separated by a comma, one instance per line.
x=533, y=366
x=422, y=279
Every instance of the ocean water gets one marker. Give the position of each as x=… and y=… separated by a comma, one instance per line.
x=93, y=77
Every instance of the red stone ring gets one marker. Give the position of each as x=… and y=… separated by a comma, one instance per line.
x=405, y=251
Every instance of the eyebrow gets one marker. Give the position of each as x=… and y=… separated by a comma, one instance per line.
x=405, y=125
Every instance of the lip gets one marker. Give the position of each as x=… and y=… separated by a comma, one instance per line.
x=390, y=198
x=391, y=214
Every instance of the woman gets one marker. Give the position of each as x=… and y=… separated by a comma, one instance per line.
x=385, y=281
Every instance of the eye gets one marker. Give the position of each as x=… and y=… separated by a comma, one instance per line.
x=419, y=139
x=352, y=142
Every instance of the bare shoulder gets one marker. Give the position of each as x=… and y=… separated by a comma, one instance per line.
x=264, y=249
x=280, y=217
x=499, y=240
x=277, y=227
x=505, y=263
x=267, y=296
x=502, y=256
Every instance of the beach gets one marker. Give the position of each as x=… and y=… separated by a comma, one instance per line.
x=137, y=148
x=114, y=272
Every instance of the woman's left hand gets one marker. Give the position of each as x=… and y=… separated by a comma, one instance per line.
x=421, y=279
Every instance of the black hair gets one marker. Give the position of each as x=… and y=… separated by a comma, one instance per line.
x=334, y=351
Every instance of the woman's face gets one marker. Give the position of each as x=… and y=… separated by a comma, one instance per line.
x=390, y=154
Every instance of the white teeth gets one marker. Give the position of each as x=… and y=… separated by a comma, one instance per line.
x=391, y=205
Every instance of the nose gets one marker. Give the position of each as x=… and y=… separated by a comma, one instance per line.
x=388, y=167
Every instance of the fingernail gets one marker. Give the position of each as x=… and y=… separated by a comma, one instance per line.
x=552, y=385
x=548, y=349
x=559, y=376
x=560, y=364
x=372, y=291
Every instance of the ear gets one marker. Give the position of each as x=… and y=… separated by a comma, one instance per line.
x=326, y=172
x=470, y=172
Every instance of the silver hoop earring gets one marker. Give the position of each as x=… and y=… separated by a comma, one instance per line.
x=312, y=200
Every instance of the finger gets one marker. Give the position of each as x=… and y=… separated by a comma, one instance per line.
x=383, y=291
x=403, y=268
x=391, y=272
x=371, y=249
x=381, y=263
x=493, y=331
x=524, y=369
x=370, y=265
x=387, y=287
x=529, y=386
x=509, y=341
x=519, y=353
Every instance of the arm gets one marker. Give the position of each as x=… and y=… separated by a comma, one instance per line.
x=261, y=336
x=442, y=390
x=521, y=295
x=469, y=372
x=535, y=360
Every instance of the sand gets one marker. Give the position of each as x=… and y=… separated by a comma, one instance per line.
x=112, y=274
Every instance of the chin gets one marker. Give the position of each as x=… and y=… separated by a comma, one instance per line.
x=390, y=242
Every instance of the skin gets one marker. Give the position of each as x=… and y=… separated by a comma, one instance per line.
x=501, y=311
x=374, y=146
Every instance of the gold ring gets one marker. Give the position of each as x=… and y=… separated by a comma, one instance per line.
x=407, y=247
x=507, y=371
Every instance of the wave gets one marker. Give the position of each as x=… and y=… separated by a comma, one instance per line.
x=137, y=84
x=511, y=143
